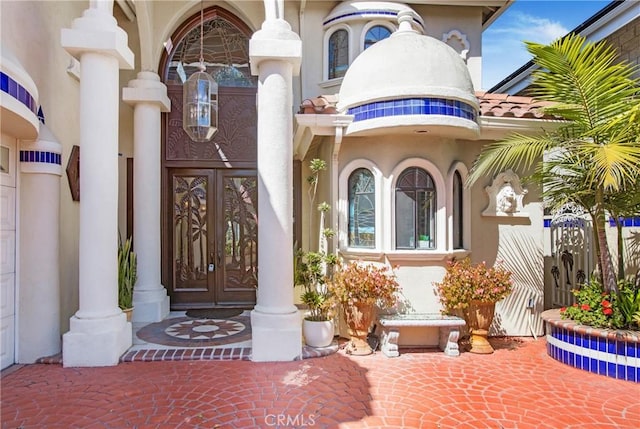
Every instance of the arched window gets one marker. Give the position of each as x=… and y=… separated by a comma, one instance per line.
x=415, y=215
x=338, y=54
x=457, y=211
x=362, y=209
x=375, y=34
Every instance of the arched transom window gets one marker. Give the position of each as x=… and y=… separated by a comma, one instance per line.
x=415, y=213
x=375, y=34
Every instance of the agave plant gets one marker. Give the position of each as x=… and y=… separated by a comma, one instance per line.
x=127, y=274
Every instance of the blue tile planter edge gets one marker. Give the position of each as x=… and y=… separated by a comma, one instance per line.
x=613, y=353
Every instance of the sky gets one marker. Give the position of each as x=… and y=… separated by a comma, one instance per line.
x=541, y=21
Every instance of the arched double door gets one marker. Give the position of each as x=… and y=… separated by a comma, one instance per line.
x=209, y=191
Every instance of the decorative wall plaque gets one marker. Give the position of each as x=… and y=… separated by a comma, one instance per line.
x=73, y=173
x=505, y=196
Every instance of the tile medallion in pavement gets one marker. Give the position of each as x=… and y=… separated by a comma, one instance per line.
x=189, y=332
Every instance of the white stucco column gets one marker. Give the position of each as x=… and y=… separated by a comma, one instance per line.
x=275, y=53
x=149, y=97
x=39, y=297
x=99, y=333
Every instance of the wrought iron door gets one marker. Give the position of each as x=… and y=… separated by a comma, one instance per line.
x=213, y=237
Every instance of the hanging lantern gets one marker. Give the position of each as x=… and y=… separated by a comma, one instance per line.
x=200, y=106
x=200, y=100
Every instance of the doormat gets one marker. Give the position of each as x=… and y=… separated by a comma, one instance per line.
x=214, y=313
x=190, y=332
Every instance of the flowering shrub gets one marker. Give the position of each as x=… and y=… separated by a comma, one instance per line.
x=465, y=282
x=366, y=284
x=599, y=309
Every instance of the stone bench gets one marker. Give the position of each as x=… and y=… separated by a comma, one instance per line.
x=449, y=327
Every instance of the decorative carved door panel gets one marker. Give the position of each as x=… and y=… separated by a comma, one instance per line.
x=213, y=237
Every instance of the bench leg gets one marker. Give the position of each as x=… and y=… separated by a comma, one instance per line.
x=389, y=343
x=449, y=341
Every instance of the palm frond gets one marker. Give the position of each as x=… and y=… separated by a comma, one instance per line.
x=518, y=152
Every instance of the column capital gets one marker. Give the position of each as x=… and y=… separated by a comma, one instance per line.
x=275, y=41
x=98, y=31
x=147, y=88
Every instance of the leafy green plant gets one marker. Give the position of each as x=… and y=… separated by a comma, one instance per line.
x=358, y=282
x=598, y=308
x=465, y=282
x=127, y=273
x=312, y=270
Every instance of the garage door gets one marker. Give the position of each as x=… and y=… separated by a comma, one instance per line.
x=7, y=250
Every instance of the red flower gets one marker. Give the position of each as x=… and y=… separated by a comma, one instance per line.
x=606, y=303
x=607, y=311
x=575, y=304
x=563, y=309
x=585, y=307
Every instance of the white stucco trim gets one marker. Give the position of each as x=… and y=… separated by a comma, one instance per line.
x=461, y=168
x=441, y=221
x=343, y=208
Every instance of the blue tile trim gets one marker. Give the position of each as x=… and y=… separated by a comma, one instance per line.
x=17, y=91
x=40, y=156
x=365, y=13
x=414, y=106
x=546, y=223
x=626, y=221
x=580, y=347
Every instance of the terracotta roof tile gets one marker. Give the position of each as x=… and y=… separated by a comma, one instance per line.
x=491, y=105
x=323, y=104
x=511, y=106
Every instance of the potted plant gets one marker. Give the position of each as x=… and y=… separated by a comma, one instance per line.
x=359, y=288
x=311, y=272
x=423, y=241
x=471, y=291
x=127, y=276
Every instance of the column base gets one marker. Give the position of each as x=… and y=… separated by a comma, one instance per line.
x=276, y=337
x=96, y=342
x=150, y=306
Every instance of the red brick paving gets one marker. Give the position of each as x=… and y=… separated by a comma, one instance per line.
x=519, y=386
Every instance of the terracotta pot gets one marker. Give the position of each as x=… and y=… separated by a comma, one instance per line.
x=480, y=317
x=359, y=318
x=318, y=333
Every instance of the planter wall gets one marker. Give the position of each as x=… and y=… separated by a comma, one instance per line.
x=614, y=353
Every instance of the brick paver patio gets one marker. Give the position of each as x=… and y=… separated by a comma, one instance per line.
x=518, y=386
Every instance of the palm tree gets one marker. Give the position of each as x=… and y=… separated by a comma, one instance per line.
x=595, y=153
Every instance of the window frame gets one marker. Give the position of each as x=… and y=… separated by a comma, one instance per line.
x=327, y=38
x=343, y=208
x=369, y=25
x=440, y=243
x=462, y=170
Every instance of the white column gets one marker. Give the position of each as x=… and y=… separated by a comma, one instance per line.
x=149, y=97
x=275, y=53
x=39, y=297
x=99, y=333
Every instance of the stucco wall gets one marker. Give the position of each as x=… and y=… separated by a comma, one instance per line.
x=514, y=242
x=31, y=29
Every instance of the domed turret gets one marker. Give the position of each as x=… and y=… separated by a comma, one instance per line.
x=412, y=83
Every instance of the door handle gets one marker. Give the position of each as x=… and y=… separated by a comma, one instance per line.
x=212, y=266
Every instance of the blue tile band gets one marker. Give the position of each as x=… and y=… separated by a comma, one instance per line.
x=626, y=221
x=17, y=91
x=616, y=358
x=367, y=13
x=414, y=106
x=40, y=156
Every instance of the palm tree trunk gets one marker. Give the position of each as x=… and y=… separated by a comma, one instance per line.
x=620, y=248
x=606, y=264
